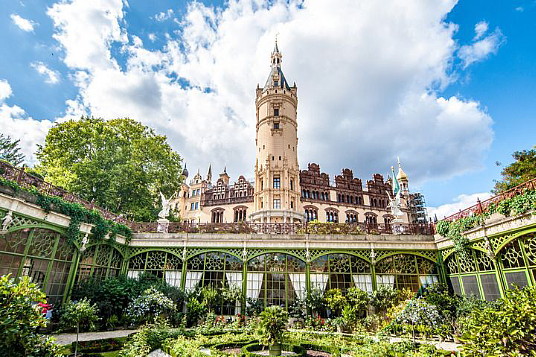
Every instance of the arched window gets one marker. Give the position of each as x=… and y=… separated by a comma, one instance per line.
x=217, y=270
x=158, y=263
x=340, y=271
x=276, y=279
x=240, y=213
x=217, y=215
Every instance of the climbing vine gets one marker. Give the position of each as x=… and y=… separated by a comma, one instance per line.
x=516, y=205
x=78, y=214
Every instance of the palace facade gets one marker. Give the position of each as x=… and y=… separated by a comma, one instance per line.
x=281, y=192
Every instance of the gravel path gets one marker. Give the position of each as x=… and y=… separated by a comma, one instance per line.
x=67, y=338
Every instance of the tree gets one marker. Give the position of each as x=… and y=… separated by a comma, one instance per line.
x=521, y=170
x=10, y=150
x=20, y=318
x=80, y=313
x=119, y=164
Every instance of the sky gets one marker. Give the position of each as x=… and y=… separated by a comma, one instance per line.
x=446, y=86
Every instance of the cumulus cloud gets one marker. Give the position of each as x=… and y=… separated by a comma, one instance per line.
x=482, y=46
x=22, y=23
x=164, y=15
x=16, y=123
x=459, y=203
x=367, y=79
x=51, y=76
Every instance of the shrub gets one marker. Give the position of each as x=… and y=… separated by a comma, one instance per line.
x=336, y=301
x=272, y=325
x=151, y=305
x=421, y=316
x=114, y=295
x=195, y=311
x=507, y=328
x=20, y=319
x=358, y=301
x=383, y=298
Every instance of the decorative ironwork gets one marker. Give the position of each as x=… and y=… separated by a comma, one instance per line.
x=287, y=228
x=480, y=207
x=466, y=262
x=43, y=243
x=529, y=244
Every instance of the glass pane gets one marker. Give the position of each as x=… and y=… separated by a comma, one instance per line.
x=470, y=286
x=518, y=278
x=455, y=284
x=490, y=287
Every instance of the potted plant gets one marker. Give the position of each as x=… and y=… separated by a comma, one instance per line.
x=272, y=325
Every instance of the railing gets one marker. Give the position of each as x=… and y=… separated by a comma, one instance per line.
x=287, y=228
x=482, y=206
x=24, y=179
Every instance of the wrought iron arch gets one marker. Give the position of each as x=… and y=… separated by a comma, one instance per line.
x=341, y=251
x=392, y=253
x=512, y=237
x=196, y=252
x=288, y=252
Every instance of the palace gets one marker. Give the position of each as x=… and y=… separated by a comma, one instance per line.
x=281, y=193
x=255, y=237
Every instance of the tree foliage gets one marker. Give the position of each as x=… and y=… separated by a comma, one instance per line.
x=521, y=170
x=10, y=150
x=120, y=164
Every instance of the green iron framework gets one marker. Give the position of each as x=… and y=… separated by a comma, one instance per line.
x=39, y=249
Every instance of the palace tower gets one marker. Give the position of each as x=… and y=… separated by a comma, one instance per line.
x=277, y=175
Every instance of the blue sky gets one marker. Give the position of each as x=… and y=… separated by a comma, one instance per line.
x=446, y=86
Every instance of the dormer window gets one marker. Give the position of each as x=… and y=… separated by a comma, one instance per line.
x=275, y=83
x=276, y=112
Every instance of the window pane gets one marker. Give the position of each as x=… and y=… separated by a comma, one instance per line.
x=518, y=278
x=490, y=287
x=470, y=286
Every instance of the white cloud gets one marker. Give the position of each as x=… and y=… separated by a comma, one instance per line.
x=480, y=29
x=87, y=29
x=5, y=90
x=16, y=123
x=22, y=23
x=51, y=76
x=482, y=47
x=365, y=77
x=461, y=202
x=520, y=9
x=152, y=37
x=165, y=15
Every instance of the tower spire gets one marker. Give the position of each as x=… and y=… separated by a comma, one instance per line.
x=276, y=55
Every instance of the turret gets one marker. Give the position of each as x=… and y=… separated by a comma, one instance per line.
x=277, y=191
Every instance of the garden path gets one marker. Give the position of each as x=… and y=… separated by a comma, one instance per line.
x=67, y=338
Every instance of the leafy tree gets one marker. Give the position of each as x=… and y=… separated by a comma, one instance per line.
x=20, y=318
x=119, y=164
x=521, y=170
x=79, y=314
x=10, y=150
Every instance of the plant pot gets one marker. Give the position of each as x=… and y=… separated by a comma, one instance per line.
x=274, y=350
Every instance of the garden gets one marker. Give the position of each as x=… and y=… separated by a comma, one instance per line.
x=386, y=322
